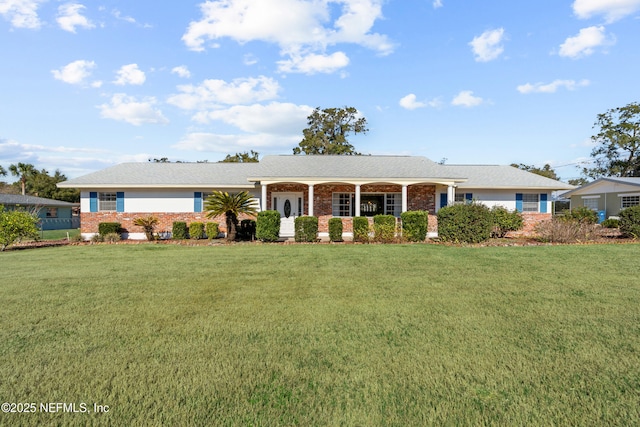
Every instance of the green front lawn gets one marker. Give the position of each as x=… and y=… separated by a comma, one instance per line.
x=322, y=334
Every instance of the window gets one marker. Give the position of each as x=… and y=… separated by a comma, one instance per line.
x=394, y=204
x=342, y=204
x=52, y=212
x=591, y=203
x=530, y=202
x=463, y=198
x=629, y=201
x=107, y=201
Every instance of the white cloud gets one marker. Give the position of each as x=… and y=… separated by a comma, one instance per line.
x=409, y=102
x=612, y=10
x=275, y=118
x=21, y=13
x=585, y=42
x=128, y=109
x=314, y=63
x=70, y=17
x=118, y=15
x=213, y=93
x=250, y=59
x=75, y=72
x=437, y=4
x=300, y=27
x=229, y=143
x=181, y=71
x=130, y=74
x=488, y=45
x=551, y=87
x=466, y=99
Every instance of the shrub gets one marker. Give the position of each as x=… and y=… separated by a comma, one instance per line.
x=505, y=221
x=360, y=229
x=212, y=229
x=105, y=228
x=306, y=228
x=16, y=225
x=97, y=238
x=384, y=228
x=561, y=230
x=247, y=229
x=196, y=230
x=581, y=214
x=630, y=222
x=611, y=223
x=335, y=229
x=179, y=231
x=112, y=237
x=268, y=226
x=415, y=225
x=148, y=224
x=471, y=223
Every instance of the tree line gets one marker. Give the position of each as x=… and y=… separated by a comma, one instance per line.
x=40, y=183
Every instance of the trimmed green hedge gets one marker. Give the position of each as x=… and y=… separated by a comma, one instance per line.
x=212, y=229
x=470, y=223
x=581, y=214
x=415, y=225
x=360, y=229
x=384, y=228
x=306, y=229
x=105, y=228
x=335, y=229
x=630, y=222
x=179, y=231
x=268, y=226
x=505, y=221
x=196, y=230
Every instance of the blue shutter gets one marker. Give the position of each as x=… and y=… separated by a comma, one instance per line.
x=443, y=200
x=120, y=201
x=468, y=198
x=197, y=201
x=519, y=202
x=543, y=203
x=93, y=201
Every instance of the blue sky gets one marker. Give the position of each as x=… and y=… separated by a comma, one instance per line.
x=85, y=85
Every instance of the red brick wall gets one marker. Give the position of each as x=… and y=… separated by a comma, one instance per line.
x=90, y=220
x=531, y=219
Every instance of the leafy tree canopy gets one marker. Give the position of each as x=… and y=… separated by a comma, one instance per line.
x=34, y=182
x=546, y=170
x=328, y=130
x=245, y=157
x=618, y=143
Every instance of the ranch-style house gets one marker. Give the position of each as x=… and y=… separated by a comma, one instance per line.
x=321, y=186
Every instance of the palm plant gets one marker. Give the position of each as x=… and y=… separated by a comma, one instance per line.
x=147, y=224
x=231, y=206
x=23, y=171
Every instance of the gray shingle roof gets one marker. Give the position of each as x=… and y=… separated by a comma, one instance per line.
x=19, y=199
x=502, y=176
x=167, y=175
x=271, y=168
x=633, y=181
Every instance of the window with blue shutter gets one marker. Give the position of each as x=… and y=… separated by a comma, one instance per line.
x=519, y=202
x=468, y=197
x=197, y=201
x=93, y=201
x=120, y=201
x=543, y=203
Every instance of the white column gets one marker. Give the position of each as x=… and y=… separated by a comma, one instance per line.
x=451, y=195
x=357, y=200
x=405, y=203
x=264, y=197
x=310, y=200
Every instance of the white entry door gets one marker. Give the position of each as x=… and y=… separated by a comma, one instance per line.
x=290, y=207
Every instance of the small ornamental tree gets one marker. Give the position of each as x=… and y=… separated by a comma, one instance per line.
x=148, y=224
x=231, y=205
x=16, y=225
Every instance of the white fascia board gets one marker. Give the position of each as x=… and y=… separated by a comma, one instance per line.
x=159, y=186
x=356, y=181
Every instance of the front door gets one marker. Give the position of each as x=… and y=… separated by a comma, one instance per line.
x=290, y=207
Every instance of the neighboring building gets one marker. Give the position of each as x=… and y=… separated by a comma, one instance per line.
x=323, y=186
x=53, y=214
x=608, y=196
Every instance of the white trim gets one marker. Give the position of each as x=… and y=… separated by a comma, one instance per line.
x=590, y=197
x=628, y=194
